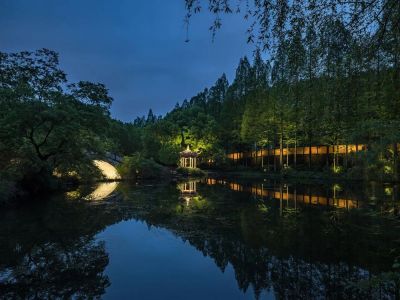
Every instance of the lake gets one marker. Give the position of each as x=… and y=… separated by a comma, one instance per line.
x=214, y=238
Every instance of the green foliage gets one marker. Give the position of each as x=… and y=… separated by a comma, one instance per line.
x=169, y=154
x=45, y=127
x=137, y=166
x=151, y=142
x=270, y=20
x=124, y=138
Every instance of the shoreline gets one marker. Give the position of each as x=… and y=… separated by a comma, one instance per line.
x=297, y=175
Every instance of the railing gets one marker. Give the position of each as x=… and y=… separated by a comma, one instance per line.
x=315, y=150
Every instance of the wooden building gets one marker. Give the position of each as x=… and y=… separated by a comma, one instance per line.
x=188, y=158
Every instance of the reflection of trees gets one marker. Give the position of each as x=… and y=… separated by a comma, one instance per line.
x=53, y=270
x=330, y=263
x=49, y=251
x=309, y=253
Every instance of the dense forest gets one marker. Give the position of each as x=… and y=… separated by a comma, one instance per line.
x=328, y=77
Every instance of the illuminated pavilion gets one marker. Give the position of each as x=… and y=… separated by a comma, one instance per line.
x=188, y=158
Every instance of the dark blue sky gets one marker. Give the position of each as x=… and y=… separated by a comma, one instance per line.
x=136, y=47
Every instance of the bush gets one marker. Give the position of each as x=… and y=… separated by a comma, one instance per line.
x=136, y=166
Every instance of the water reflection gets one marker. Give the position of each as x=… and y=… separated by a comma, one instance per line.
x=48, y=251
x=297, y=250
x=283, y=192
x=54, y=270
x=188, y=190
x=190, y=199
x=285, y=239
x=102, y=191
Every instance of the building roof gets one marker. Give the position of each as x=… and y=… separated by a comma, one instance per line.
x=188, y=153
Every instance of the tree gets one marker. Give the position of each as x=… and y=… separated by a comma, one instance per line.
x=216, y=96
x=151, y=118
x=46, y=128
x=269, y=18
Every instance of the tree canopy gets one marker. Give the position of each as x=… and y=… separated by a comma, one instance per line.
x=270, y=20
x=47, y=125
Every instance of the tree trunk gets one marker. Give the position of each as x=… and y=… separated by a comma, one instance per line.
x=327, y=157
x=287, y=154
x=262, y=157
x=334, y=158
x=295, y=152
x=396, y=162
x=281, y=149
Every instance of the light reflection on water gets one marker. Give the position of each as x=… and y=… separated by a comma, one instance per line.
x=148, y=262
x=102, y=191
x=204, y=239
x=284, y=192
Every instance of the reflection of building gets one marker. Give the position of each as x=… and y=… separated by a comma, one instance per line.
x=283, y=194
x=188, y=158
x=188, y=190
x=188, y=187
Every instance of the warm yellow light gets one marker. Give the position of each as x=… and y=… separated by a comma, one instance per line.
x=187, y=201
x=107, y=169
x=307, y=199
x=388, y=191
x=73, y=195
x=337, y=169
x=337, y=187
x=102, y=191
x=388, y=170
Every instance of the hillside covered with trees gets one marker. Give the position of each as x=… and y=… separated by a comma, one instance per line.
x=319, y=76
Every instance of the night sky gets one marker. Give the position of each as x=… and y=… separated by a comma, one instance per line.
x=136, y=47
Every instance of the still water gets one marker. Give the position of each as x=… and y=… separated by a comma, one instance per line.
x=205, y=239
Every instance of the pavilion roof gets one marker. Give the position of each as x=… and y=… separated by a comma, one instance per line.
x=188, y=153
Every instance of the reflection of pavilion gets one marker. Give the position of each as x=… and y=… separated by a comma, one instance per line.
x=188, y=187
x=188, y=158
x=188, y=190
